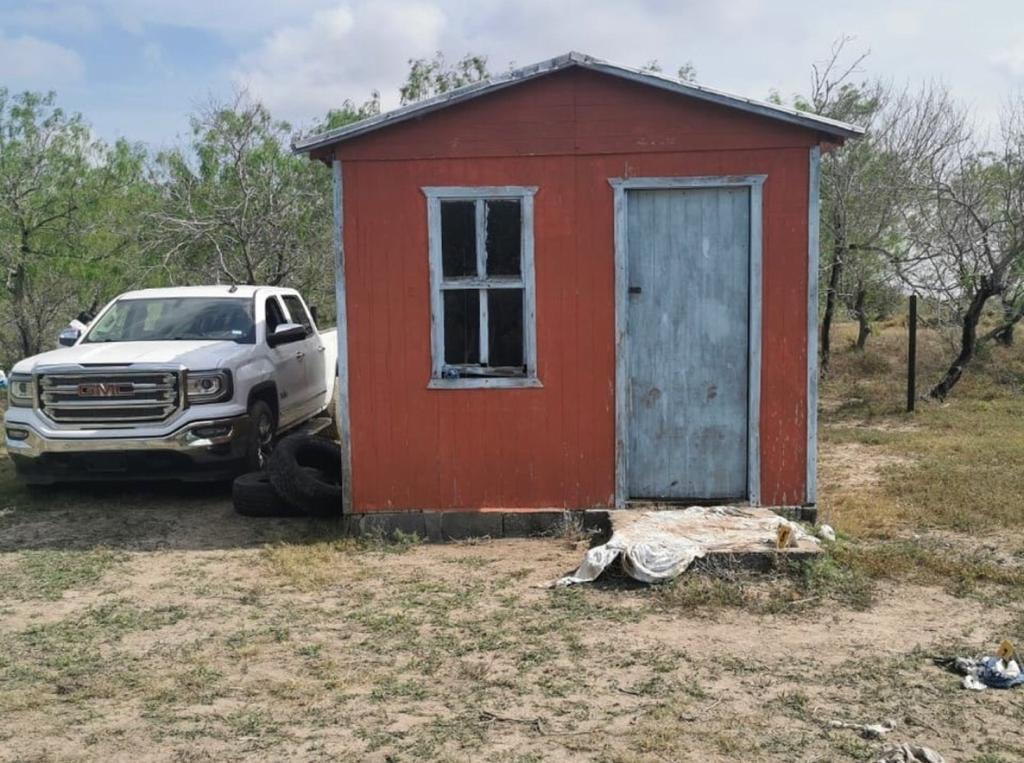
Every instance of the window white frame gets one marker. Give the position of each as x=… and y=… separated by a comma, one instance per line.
x=439, y=284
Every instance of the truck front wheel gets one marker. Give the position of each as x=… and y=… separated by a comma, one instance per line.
x=261, y=440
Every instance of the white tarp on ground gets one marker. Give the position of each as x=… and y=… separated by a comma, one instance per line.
x=659, y=545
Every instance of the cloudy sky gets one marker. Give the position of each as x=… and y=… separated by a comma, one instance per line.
x=136, y=67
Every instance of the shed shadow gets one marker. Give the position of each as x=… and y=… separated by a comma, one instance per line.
x=137, y=516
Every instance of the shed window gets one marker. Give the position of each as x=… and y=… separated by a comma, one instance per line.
x=482, y=301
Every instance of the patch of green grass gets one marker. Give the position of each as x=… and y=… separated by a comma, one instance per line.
x=846, y=573
x=793, y=703
x=829, y=578
x=255, y=727
x=960, y=461
x=965, y=467
x=393, y=688
x=325, y=562
x=697, y=591
x=916, y=561
x=72, y=657
x=861, y=435
x=793, y=587
x=47, y=574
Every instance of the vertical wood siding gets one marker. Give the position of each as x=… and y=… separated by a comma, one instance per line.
x=554, y=446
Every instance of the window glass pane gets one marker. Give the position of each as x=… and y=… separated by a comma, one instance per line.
x=505, y=326
x=298, y=312
x=461, y=326
x=274, y=315
x=504, y=237
x=175, y=319
x=458, y=238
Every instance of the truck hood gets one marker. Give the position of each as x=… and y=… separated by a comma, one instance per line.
x=195, y=355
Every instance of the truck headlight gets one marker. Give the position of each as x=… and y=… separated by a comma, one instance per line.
x=208, y=386
x=20, y=392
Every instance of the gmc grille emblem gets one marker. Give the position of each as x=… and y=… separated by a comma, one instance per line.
x=105, y=390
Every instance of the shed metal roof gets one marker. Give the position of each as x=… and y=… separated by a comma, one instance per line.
x=583, y=61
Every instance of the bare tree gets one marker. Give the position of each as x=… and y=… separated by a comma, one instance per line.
x=967, y=240
x=239, y=207
x=867, y=184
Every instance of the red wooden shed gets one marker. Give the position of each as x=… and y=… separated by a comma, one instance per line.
x=577, y=285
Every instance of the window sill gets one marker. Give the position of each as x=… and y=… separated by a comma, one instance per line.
x=500, y=382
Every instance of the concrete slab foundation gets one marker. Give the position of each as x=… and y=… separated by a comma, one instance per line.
x=441, y=526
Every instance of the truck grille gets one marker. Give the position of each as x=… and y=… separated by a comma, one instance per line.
x=109, y=397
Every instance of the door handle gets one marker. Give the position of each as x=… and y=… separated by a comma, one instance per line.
x=321, y=348
x=300, y=354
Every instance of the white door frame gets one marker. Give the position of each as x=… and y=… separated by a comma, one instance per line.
x=621, y=187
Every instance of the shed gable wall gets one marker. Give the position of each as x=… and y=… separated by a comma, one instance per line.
x=575, y=112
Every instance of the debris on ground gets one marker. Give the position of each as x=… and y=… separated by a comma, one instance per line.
x=657, y=546
x=988, y=673
x=1001, y=671
x=910, y=753
x=825, y=532
x=866, y=730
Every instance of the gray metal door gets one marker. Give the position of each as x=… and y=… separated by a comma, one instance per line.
x=688, y=321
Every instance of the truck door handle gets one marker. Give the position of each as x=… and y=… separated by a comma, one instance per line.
x=321, y=348
x=300, y=354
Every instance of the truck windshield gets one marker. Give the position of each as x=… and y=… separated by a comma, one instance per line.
x=176, y=318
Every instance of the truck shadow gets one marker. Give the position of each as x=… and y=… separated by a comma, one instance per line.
x=136, y=517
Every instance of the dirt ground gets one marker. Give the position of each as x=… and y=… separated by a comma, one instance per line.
x=152, y=623
x=143, y=625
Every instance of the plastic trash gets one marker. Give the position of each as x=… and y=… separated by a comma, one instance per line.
x=989, y=673
x=866, y=730
x=910, y=753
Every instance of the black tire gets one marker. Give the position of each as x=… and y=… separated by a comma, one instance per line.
x=261, y=439
x=306, y=472
x=254, y=496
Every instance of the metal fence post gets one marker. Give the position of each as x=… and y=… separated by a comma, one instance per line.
x=912, y=355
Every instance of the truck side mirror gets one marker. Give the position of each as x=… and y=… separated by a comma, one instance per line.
x=285, y=333
x=68, y=336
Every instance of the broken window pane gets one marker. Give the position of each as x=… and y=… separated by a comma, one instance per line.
x=461, y=326
x=505, y=326
x=504, y=238
x=458, y=238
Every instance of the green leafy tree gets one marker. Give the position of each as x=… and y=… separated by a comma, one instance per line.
x=433, y=76
x=348, y=113
x=687, y=72
x=67, y=206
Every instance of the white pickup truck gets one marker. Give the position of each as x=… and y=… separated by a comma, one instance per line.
x=188, y=383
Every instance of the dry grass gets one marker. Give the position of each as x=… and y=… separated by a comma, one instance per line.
x=156, y=624
x=954, y=465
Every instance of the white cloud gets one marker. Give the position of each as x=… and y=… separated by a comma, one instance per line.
x=1010, y=58
x=306, y=56
x=75, y=17
x=229, y=18
x=347, y=51
x=31, y=62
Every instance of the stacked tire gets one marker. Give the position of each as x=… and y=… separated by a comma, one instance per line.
x=302, y=478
